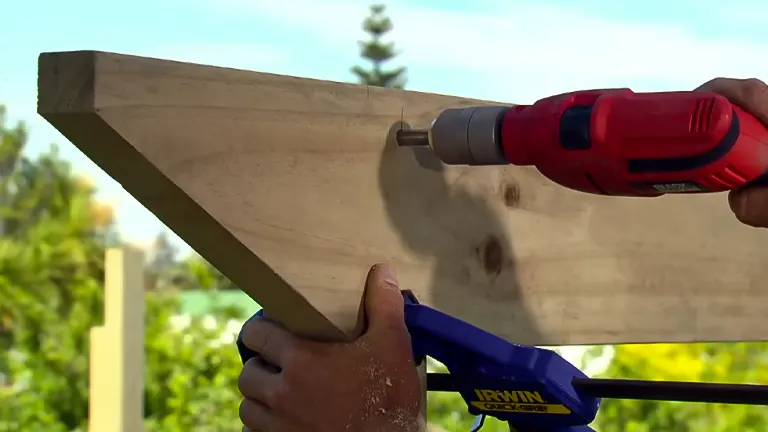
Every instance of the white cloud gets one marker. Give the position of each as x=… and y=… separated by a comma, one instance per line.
x=533, y=49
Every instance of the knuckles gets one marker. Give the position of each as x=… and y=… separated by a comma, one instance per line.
x=753, y=93
x=754, y=85
x=743, y=88
x=750, y=206
x=243, y=412
x=291, y=356
x=275, y=394
x=253, y=417
x=279, y=398
x=257, y=333
x=243, y=381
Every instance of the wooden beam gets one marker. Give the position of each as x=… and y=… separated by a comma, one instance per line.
x=116, y=401
x=292, y=187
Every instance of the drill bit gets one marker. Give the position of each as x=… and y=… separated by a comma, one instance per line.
x=413, y=138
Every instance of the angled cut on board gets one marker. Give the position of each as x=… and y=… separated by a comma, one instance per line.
x=293, y=188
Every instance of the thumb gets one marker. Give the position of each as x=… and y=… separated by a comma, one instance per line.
x=383, y=300
x=750, y=206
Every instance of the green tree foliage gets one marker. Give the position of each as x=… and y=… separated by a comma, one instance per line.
x=378, y=52
x=449, y=412
x=51, y=293
x=166, y=272
x=700, y=362
x=202, y=275
x=51, y=265
x=192, y=370
x=162, y=271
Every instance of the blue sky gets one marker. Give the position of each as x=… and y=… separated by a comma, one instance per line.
x=506, y=50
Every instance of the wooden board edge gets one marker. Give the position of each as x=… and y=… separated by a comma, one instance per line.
x=66, y=99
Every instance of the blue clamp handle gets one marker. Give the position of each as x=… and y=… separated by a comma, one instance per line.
x=526, y=386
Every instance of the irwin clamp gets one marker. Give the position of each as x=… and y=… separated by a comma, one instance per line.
x=533, y=389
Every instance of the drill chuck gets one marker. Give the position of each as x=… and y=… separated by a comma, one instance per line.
x=413, y=137
x=462, y=136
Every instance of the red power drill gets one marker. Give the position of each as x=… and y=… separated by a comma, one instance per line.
x=610, y=142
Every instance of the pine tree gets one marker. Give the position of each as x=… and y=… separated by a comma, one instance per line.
x=378, y=52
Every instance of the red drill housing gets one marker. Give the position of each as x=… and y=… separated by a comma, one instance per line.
x=617, y=142
x=614, y=141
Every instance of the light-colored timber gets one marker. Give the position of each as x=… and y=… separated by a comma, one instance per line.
x=293, y=188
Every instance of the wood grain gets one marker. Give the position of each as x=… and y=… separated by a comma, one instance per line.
x=293, y=187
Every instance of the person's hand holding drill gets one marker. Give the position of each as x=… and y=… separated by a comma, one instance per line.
x=750, y=205
x=371, y=385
